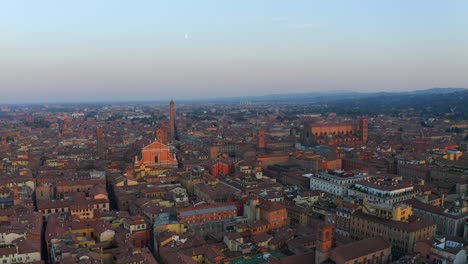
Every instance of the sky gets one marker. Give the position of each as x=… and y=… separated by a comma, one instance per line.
x=108, y=50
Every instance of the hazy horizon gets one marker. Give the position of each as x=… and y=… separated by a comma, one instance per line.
x=213, y=99
x=55, y=51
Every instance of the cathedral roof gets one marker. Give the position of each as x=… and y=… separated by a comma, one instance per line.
x=156, y=145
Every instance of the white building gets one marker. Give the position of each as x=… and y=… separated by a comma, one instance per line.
x=388, y=192
x=336, y=182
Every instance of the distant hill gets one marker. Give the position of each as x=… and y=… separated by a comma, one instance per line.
x=317, y=97
x=434, y=103
x=449, y=103
x=438, y=91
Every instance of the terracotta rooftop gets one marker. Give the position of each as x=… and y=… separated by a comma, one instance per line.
x=434, y=209
x=307, y=258
x=271, y=206
x=411, y=226
x=361, y=248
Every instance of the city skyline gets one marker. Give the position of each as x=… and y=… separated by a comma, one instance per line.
x=117, y=51
x=234, y=132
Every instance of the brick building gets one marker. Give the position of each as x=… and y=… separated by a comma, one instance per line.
x=274, y=213
x=156, y=155
x=206, y=213
x=356, y=132
x=403, y=235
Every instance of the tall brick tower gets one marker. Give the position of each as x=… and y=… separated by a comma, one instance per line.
x=324, y=244
x=261, y=138
x=364, y=127
x=171, y=120
x=100, y=133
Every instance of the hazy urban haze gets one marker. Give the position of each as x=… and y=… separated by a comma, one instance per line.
x=149, y=50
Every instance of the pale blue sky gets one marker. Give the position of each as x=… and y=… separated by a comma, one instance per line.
x=116, y=50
